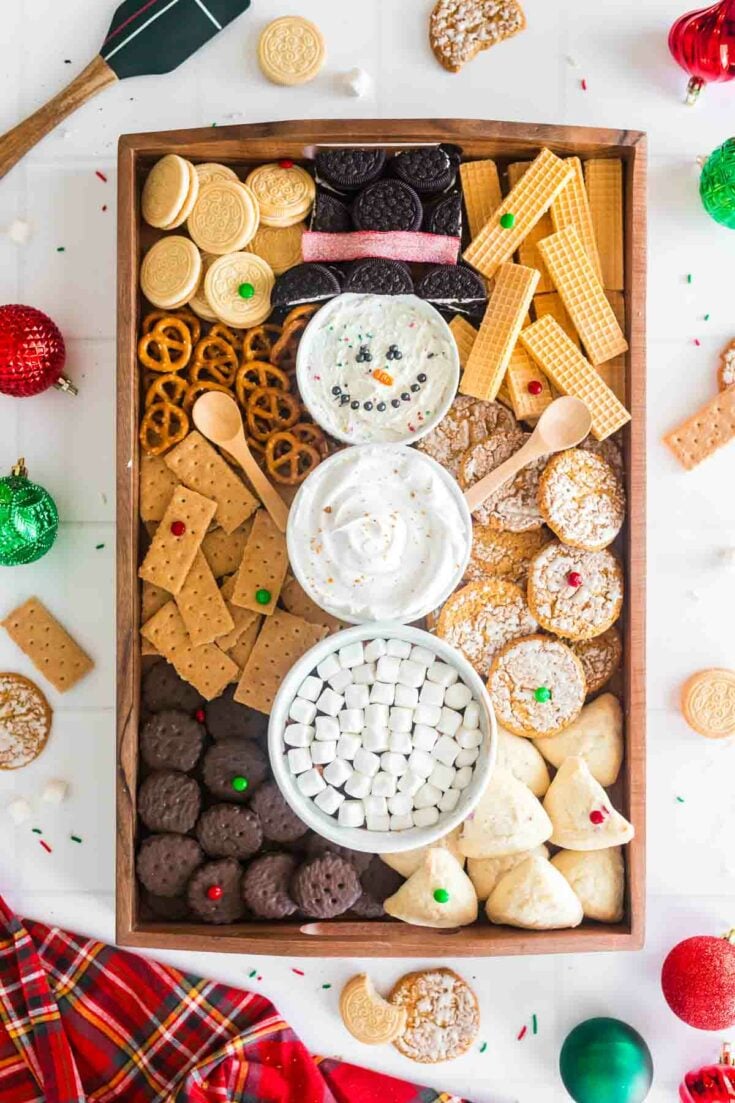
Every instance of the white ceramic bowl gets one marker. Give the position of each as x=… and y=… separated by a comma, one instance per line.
x=359, y=838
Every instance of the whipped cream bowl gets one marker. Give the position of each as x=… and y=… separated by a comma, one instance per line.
x=379, y=532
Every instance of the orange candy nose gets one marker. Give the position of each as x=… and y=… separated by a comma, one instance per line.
x=383, y=377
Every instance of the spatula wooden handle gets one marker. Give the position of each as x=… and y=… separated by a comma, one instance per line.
x=16, y=142
x=267, y=493
x=477, y=494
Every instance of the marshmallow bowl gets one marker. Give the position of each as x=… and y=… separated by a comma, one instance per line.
x=382, y=738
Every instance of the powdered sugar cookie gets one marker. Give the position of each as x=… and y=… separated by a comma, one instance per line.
x=507, y=555
x=581, y=499
x=598, y=880
x=482, y=617
x=443, y=1015
x=600, y=658
x=574, y=593
x=225, y=217
x=468, y=421
x=536, y=685
x=534, y=896
x=581, y=812
x=514, y=507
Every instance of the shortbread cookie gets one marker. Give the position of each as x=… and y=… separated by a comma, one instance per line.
x=291, y=50
x=165, y=190
x=483, y=616
x=581, y=811
x=238, y=288
x=284, y=192
x=407, y=862
x=485, y=873
x=574, y=593
x=581, y=499
x=536, y=897
x=508, y=820
x=170, y=272
x=597, y=878
x=708, y=703
x=437, y=894
x=600, y=658
x=443, y=1015
x=506, y=555
x=537, y=686
x=460, y=29
x=523, y=760
x=279, y=246
x=225, y=217
x=514, y=507
x=367, y=1016
x=468, y=421
x=596, y=736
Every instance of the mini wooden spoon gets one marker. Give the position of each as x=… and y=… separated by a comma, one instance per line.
x=563, y=424
x=218, y=418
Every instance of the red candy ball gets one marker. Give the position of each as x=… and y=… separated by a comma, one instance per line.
x=534, y=387
x=698, y=982
x=596, y=816
x=200, y=716
x=178, y=528
x=32, y=352
x=285, y=164
x=214, y=892
x=574, y=579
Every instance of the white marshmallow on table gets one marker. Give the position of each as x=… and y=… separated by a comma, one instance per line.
x=426, y=796
x=422, y=655
x=340, y=680
x=374, y=649
x=400, y=742
x=328, y=667
x=400, y=803
x=449, y=721
x=366, y=762
x=442, y=674
x=407, y=697
x=357, y=785
x=327, y=727
x=329, y=800
x=352, y=654
x=376, y=739
x=337, y=772
x=401, y=648
x=468, y=757
x=384, y=785
x=471, y=718
x=449, y=800
x=302, y=711
x=298, y=735
x=355, y=82
x=425, y=817
x=348, y=745
x=442, y=776
x=375, y=806
x=424, y=737
x=351, y=720
x=323, y=752
x=376, y=715
x=388, y=668
x=299, y=760
x=458, y=695
x=382, y=693
x=357, y=697
x=19, y=810
x=432, y=694
x=351, y=813
x=446, y=750
x=401, y=823
x=410, y=782
x=463, y=777
x=330, y=702
x=468, y=737
x=377, y=822
x=427, y=714
x=364, y=674
x=421, y=763
x=411, y=673
x=310, y=688
x=310, y=783
x=393, y=763
x=400, y=720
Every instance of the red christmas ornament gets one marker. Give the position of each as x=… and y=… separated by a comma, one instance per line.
x=711, y=1084
x=703, y=43
x=698, y=981
x=32, y=353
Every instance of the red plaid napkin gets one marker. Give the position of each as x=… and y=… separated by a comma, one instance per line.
x=83, y=1022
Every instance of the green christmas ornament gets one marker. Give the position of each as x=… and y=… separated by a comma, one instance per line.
x=717, y=184
x=606, y=1061
x=29, y=519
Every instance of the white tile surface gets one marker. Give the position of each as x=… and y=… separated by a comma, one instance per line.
x=620, y=50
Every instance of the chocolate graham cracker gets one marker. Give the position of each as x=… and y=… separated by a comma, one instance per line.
x=177, y=539
x=282, y=641
x=202, y=607
x=200, y=467
x=263, y=567
x=50, y=648
x=206, y=667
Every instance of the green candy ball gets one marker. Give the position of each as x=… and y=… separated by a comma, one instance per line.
x=606, y=1061
x=29, y=519
x=717, y=184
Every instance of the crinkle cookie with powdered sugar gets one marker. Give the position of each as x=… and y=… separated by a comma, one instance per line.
x=581, y=499
x=483, y=616
x=600, y=658
x=468, y=421
x=460, y=29
x=537, y=686
x=443, y=1015
x=514, y=506
x=574, y=593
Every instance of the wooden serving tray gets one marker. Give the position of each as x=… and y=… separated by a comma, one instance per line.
x=242, y=146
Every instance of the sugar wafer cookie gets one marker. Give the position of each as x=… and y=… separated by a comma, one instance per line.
x=551, y=303
x=703, y=433
x=528, y=387
x=604, y=180
x=498, y=333
x=615, y=371
x=528, y=253
x=464, y=334
x=572, y=208
x=481, y=190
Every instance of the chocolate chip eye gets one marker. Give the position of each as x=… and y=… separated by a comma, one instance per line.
x=415, y=387
x=336, y=390
x=380, y=407
x=394, y=402
x=354, y=405
x=369, y=406
x=344, y=399
x=421, y=378
x=364, y=355
x=394, y=353
x=406, y=396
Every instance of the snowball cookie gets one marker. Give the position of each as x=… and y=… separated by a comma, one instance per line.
x=534, y=896
x=438, y=894
x=508, y=820
x=520, y=757
x=486, y=872
x=598, y=879
x=596, y=736
x=581, y=812
x=410, y=860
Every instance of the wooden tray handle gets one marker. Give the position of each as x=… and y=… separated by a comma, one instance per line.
x=16, y=142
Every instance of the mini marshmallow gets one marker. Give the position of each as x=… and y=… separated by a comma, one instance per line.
x=378, y=823
x=411, y=673
x=424, y=737
x=375, y=806
x=384, y=785
x=399, y=648
x=399, y=804
x=341, y=680
x=432, y=694
x=442, y=776
x=458, y=695
x=410, y=783
x=298, y=735
x=388, y=668
x=357, y=785
x=330, y=702
x=427, y=714
x=400, y=720
x=382, y=693
x=323, y=752
x=327, y=727
x=302, y=711
x=351, y=720
x=420, y=763
x=310, y=783
x=366, y=762
x=446, y=750
x=376, y=739
x=468, y=737
x=19, y=230
x=407, y=697
x=393, y=763
x=365, y=674
x=19, y=810
x=449, y=721
x=425, y=817
x=471, y=718
x=352, y=654
x=327, y=667
x=463, y=777
x=401, y=823
x=348, y=745
x=310, y=688
x=422, y=655
x=401, y=742
x=355, y=82
x=449, y=800
x=376, y=715
x=329, y=800
x=299, y=760
x=351, y=814
x=356, y=697
x=442, y=674
x=374, y=649
x=337, y=772
x=466, y=758
x=427, y=796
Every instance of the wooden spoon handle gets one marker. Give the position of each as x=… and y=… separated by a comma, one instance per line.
x=477, y=494
x=265, y=490
x=16, y=142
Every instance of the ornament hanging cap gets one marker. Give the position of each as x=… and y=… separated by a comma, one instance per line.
x=19, y=469
x=64, y=384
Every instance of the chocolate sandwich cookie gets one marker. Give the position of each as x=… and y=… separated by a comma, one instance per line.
x=453, y=283
x=305, y=283
x=229, y=831
x=330, y=215
x=446, y=217
x=169, y=801
x=316, y=845
x=325, y=887
x=265, y=886
x=379, y=277
x=171, y=740
x=171, y=908
x=349, y=169
x=227, y=719
x=427, y=169
x=163, y=689
x=213, y=892
x=378, y=882
x=166, y=862
x=234, y=768
x=280, y=824
x=387, y=205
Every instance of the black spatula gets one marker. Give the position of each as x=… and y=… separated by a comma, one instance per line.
x=145, y=36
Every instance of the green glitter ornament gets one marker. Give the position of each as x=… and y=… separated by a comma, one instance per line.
x=606, y=1061
x=717, y=184
x=29, y=519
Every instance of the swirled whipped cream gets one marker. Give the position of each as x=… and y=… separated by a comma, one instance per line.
x=379, y=532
